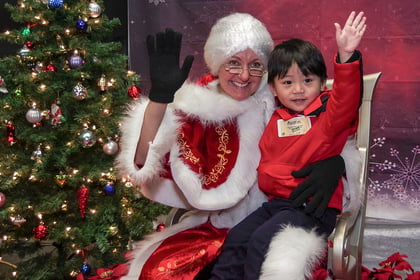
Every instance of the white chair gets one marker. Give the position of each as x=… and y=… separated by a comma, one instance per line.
x=345, y=254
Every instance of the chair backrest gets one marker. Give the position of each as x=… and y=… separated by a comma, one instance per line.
x=369, y=84
x=345, y=256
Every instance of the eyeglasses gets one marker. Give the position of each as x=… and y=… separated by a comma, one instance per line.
x=256, y=72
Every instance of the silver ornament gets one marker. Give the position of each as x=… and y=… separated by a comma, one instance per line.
x=24, y=51
x=87, y=138
x=18, y=220
x=3, y=88
x=33, y=115
x=79, y=91
x=110, y=148
x=37, y=154
x=94, y=9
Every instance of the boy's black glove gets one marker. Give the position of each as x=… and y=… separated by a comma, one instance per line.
x=323, y=177
x=165, y=74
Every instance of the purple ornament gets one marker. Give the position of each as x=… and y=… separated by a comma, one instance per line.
x=75, y=61
x=81, y=25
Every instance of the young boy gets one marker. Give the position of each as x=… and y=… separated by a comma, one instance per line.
x=310, y=125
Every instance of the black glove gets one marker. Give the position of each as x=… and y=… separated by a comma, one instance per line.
x=165, y=74
x=323, y=178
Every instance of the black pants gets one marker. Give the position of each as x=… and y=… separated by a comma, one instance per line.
x=247, y=243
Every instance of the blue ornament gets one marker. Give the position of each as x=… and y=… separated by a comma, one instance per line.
x=81, y=25
x=85, y=269
x=109, y=189
x=55, y=4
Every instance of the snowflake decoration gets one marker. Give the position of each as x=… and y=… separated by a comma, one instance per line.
x=156, y=2
x=402, y=185
x=407, y=172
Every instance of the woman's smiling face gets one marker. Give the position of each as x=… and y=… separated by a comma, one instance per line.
x=243, y=85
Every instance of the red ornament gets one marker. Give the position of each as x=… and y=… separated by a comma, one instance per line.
x=160, y=227
x=29, y=44
x=82, y=196
x=40, y=231
x=11, y=136
x=134, y=92
x=50, y=68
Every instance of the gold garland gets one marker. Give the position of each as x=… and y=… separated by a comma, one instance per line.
x=8, y=264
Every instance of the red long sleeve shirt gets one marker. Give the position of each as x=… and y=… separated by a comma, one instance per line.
x=280, y=155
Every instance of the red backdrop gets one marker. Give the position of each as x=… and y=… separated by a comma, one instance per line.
x=391, y=45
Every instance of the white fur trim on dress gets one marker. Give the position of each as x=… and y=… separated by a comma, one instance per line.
x=219, y=108
x=352, y=189
x=293, y=254
x=130, y=128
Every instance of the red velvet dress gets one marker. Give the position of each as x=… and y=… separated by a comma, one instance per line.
x=184, y=254
x=210, y=150
x=210, y=144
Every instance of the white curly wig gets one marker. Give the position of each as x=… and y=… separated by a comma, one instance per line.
x=235, y=33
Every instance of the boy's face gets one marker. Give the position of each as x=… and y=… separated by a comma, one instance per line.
x=296, y=91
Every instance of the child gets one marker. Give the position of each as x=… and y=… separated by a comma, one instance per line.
x=310, y=125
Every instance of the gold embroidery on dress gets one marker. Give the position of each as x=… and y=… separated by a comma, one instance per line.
x=218, y=169
x=213, y=175
x=186, y=150
x=175, y=267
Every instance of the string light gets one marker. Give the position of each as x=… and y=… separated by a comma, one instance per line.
x=42, y=87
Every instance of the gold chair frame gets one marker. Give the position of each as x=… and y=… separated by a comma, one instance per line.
x=345, y=254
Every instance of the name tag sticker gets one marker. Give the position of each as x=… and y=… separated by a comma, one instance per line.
x=294, y=126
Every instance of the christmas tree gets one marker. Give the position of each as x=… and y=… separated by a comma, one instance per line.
x=64, y=212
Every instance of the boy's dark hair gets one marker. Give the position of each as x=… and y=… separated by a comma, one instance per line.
x=306, y=55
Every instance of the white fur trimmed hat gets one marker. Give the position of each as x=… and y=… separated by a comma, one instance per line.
x=232, y=34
